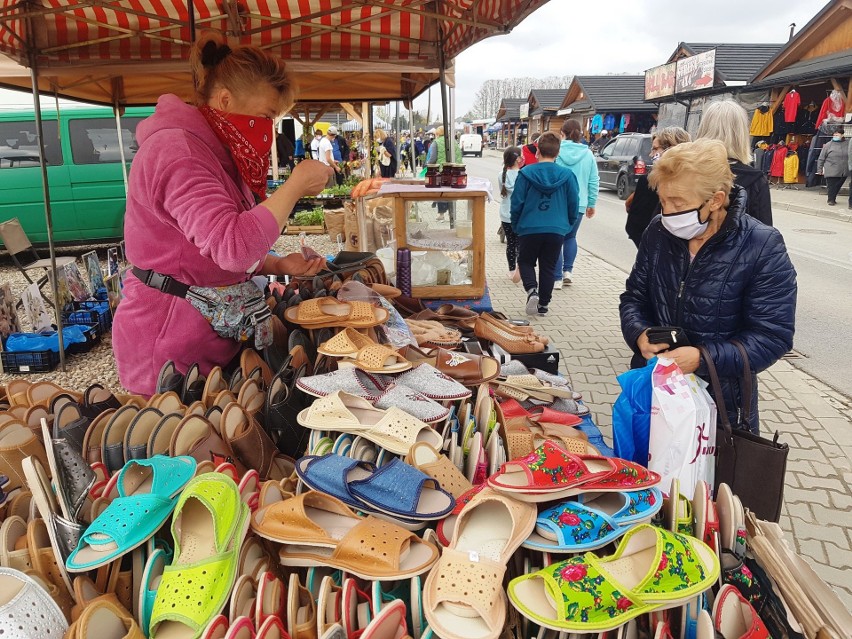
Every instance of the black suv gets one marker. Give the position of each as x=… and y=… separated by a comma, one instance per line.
x=620, y=161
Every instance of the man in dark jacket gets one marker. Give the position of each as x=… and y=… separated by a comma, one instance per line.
x=708, y=267
x=756, y=186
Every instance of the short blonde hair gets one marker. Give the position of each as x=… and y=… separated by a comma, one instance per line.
x=238, y=69
x=727, y=121
x=702, y=164
x=672, y=136
x=380, y=135
x=439, y=131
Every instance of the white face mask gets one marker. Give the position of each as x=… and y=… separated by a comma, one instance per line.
x=836, y=138
x=687, y=224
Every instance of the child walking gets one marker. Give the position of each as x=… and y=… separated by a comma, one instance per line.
x=545, y=207
x=512, y=162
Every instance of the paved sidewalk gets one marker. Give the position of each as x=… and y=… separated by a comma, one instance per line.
x=811, y=202
x=584, y=324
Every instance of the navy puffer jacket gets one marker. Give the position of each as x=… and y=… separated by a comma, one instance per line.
x=741, y=285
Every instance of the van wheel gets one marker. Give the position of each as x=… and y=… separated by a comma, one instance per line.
x=479, y=155
x=621, y=187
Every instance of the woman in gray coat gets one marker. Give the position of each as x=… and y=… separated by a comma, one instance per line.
x=834, y=165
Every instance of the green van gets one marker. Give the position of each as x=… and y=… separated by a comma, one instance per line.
x=83, y=169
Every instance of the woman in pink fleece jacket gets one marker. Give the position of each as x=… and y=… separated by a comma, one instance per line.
x=193, y=210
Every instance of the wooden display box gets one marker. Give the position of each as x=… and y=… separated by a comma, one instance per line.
x=444, y=237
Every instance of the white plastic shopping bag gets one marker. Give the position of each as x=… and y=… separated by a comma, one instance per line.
x=683, y=429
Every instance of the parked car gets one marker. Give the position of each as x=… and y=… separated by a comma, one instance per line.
x=83, y=170
x=471, y=143
x=622, y=160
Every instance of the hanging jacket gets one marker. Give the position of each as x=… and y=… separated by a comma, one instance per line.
x=762, y=124
x=578, y=158
x=777, y=169
x=791, y=168
x=834, y=159
x=545, y=200
x=740, y=285
x=756, y=186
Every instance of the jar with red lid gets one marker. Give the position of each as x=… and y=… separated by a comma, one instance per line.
x=433, y=177
x=459, y=176
x=447, y=177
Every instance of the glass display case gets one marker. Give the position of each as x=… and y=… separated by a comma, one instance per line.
x=445, y=231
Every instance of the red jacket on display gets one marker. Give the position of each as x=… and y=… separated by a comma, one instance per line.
x=831, y=107
x=791, y=106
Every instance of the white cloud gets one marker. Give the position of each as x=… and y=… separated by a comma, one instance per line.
x=567, y=37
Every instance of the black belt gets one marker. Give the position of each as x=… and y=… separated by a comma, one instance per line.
x=161, y=282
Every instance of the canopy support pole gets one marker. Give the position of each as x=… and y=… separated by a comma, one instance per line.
x=369, y=140
x=445, y=115
x=48, y=215
x=398, y=134
x=120, y=146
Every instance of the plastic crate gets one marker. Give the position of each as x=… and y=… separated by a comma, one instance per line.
x=92, y=338
x=88, y=313
x=34, y=362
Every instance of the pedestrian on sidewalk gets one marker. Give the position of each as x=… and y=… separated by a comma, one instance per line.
x=581, y=161
x=512, y=162
x=545, y=207
x=833, y=164
x=709, y=268
x=727, y=122
x=643, y=205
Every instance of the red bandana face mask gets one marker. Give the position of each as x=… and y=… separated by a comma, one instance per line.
x=249, y=139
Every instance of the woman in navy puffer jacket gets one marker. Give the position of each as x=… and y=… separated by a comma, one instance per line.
x=706, y=266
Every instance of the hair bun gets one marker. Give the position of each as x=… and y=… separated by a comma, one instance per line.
x=213, y=53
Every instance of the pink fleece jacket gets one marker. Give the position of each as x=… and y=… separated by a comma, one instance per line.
x=189, y=215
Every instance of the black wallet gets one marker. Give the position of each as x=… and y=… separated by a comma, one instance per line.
x=674, y=336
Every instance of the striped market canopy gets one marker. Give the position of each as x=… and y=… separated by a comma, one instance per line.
x=133, y=50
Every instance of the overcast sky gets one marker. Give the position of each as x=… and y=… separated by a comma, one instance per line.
x=575, y=37
x=571, y=37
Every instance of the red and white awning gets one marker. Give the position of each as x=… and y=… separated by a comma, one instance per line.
x=80, y=43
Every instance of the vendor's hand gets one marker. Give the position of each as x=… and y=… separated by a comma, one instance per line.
x=590, y=212
x=687, y=358
x=647, y=349
x=295, y=264
x=310, y=177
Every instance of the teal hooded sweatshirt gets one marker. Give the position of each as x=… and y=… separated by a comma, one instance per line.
x=545, y=200
x=578, y=158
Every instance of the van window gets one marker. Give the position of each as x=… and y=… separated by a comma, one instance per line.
x=19, y=144
x=95, y=140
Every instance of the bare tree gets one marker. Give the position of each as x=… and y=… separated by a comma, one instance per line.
x=492, y=92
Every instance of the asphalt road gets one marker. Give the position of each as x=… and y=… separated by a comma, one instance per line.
x=821, y=250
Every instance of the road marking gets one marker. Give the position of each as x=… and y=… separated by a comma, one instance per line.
x=830, y=261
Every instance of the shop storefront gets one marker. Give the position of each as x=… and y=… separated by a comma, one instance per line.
x=612, y=103
x=509, y=119
x=697, y=73
x=809, y=82
x=543, y=105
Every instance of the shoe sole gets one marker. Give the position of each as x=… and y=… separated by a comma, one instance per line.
x=532, y=305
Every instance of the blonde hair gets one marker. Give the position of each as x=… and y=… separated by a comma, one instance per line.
x=702, y=164
x=672, y=136
x=380, y=135
x=439, y=131
x=727, y=121
x=239, y=70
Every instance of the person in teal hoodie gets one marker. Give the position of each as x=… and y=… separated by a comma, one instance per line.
x=545, y=208
x=574, y=155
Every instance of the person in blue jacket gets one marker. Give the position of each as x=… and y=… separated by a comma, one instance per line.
x=708, y=267
x=577, y=157
x=544, y=209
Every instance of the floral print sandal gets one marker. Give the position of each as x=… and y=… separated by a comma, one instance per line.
x=652, y=568
x=579, y=526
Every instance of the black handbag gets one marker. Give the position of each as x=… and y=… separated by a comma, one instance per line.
x=754, y=467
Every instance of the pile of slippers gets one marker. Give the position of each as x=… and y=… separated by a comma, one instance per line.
x=349, y=486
